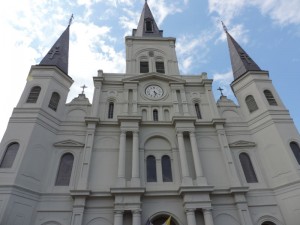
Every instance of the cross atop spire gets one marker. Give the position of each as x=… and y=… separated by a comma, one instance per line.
x=58, y=55
x=240, y=60
x=147, y=26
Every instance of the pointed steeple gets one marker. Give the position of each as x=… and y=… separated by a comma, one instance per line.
x=147, y=26
x=58, y=55
x=240, y=60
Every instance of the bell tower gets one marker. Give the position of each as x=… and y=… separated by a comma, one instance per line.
x=147, y=51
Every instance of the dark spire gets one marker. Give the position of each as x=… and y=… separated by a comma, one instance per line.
x=59, y=53
x=147, y=26
x=240, y=60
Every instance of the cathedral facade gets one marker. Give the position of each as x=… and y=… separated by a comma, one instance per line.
x=152, y=145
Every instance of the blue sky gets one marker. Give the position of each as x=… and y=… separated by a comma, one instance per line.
x=268, y=30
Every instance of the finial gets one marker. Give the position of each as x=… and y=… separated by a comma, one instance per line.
x=71, y=19
x=224, y=27
x=83, y=87
x=220, y=89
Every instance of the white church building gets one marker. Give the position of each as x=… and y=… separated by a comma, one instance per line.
x=152, y=144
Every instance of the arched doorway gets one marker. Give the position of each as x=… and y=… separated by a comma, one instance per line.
x=268, y=223
x=161, y=219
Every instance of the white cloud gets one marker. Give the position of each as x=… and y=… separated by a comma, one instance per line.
x=280, y=11
x=223, y=80
x=193, y=50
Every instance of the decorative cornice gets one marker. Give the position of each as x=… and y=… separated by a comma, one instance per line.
x=69, y=143
x=242, y=143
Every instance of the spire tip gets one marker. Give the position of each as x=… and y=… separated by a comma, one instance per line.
x=71, y=19
x=224, y=27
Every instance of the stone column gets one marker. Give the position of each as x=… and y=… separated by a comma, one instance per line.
x=126, y=101
x=243, y=209
x=121, y=164
x=118, y=217
x=186, y=179
x=190, y=215
x=135, y=175
x=78, y=210
x=136, y=217
x=197, y=163
x=208, y=219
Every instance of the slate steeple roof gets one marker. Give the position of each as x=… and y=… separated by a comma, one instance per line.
x=147, y=26
x=240, y=60
x=58, y=55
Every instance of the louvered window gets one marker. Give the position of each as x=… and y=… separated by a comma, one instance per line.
x=53, y=104
x=144, y=67
x=248, y=168
x=296, y=150
x=250, y=101
x=65, y=170
x=10, y=155
x=160, y=67
x=34, y=94
x=270, y=98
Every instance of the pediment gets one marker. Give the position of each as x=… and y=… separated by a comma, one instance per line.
x=151, y=76
x=69, y=143
x=242, y=143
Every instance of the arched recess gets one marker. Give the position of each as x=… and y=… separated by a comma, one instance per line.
x=268, y=220
x=225, y=219
x=160, y=217
x=51, y=223
x=99, y=220
x=164, y=136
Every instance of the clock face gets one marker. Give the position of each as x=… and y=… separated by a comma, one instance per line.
x=154, y=91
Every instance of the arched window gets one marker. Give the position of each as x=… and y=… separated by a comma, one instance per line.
x=155, y=115
x=268, y=223
x=296, y=150
x=250, y=101
x=33, y=95
x=9, y=155
x=111, y=110
x=269, y=96
x=248, y=168
x=197, y=109
x=65, y=170
x=151, y=169
x=166, y=169
x=54, y=100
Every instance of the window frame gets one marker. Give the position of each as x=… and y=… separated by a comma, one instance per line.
x=295, y=154
x=111, y=109
x=155, y=115
x=7, y=149
x=270, y=98
x=160, y=67
x=251, y=103
x=56, y=184
x=54, y=101
x=248, y=175
x=165, y=176
x=33, y=94
x=151, y=178
x=197, y=110
x=144, y=68
x=149, y=24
